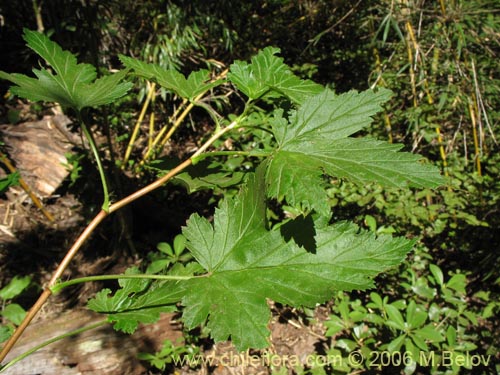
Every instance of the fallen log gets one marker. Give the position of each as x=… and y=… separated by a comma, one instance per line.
x=39, y=150
x=99, y=351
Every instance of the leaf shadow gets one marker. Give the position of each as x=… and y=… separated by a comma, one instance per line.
x=302, y=231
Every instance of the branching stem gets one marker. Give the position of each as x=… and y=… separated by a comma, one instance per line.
x=95, y=222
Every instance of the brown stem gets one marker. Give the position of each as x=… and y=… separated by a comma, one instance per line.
x=91, y=227
x=132, y=197
x=55, y=277
x=74, y=249
x=76, y=246
x=24, y=324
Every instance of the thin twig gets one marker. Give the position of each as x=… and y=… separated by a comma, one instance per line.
x=55, y=278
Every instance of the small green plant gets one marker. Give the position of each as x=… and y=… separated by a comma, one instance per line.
x=171, y=354
x=74, y=86
x=12, y=179
x=74, y=166
x=428, y=328
x=245, y=255
x=12, y=313
x=168, y=255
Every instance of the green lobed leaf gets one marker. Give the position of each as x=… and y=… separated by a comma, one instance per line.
x=268, y=74
x=63, y=62
x=315, y=142
x=207, y=174
x=123, y=298
x=234, y=220
x=137, y=301
x=73, y=84
x=197, y=82
x=32, y=89
x=329, y=116
x=292, y=177
x=247, y=264
x=104, y=90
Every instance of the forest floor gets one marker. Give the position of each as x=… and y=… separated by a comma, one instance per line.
x=32, y=245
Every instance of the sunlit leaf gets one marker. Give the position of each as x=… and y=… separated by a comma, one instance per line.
x=315, y=141
x=195, y=84
x=248, y=264
x=268, y=75
x=74, y=85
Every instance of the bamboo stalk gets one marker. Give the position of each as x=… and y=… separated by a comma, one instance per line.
x=178, y=122
x=430, y=99
x=477, y=155
x=37, y=8
x=479, y=104
x=443, y=7
x=161, y=139
x=381, y=82
x=411, y=61
x=151, y=129
x=442, y=151
x=137, y=126
x=154, y=143
x=388, y=127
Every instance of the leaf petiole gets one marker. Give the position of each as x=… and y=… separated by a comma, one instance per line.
x=60, y=286
x=257, y=154
x=93, y=147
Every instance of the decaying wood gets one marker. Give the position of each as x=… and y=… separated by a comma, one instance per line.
x=98, y=351
x=38, y=150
